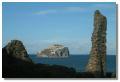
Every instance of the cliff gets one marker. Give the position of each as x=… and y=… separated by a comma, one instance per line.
x=54, y=51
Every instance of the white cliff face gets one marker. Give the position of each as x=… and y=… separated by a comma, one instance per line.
x=54, y=51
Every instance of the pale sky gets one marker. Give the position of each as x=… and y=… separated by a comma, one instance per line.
x=39, y=25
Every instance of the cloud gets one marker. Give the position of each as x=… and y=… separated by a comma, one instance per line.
x=80, y=8
x=44, y=12
x=59, y=10
x=85, y=8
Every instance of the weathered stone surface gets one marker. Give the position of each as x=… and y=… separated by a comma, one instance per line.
x=97, y=59
x=17, y=49
x=54, y=51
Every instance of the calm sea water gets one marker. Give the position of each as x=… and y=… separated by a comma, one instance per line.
x=78, y=62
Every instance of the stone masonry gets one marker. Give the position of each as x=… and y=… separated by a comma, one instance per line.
x=97, y=60
x=17, y=50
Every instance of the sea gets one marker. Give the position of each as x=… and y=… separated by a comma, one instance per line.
x=78, y=62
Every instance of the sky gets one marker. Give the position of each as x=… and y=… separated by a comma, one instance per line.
x=39, y=25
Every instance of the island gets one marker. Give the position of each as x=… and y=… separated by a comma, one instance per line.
x=54, y=51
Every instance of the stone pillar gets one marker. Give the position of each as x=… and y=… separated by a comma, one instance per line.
x=97, y=60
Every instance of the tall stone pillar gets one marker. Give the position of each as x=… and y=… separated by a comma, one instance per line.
x=97, y=60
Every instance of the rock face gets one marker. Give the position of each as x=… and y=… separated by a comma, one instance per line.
x=17, y=50
x=54, y=51
x=97, y=59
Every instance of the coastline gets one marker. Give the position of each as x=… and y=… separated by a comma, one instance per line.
x=76, y=61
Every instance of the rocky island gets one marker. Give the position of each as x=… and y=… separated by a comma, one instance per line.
x=54, y=51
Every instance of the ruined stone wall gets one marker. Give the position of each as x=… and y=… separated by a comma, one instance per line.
x=16, y=49
x=97, y=59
